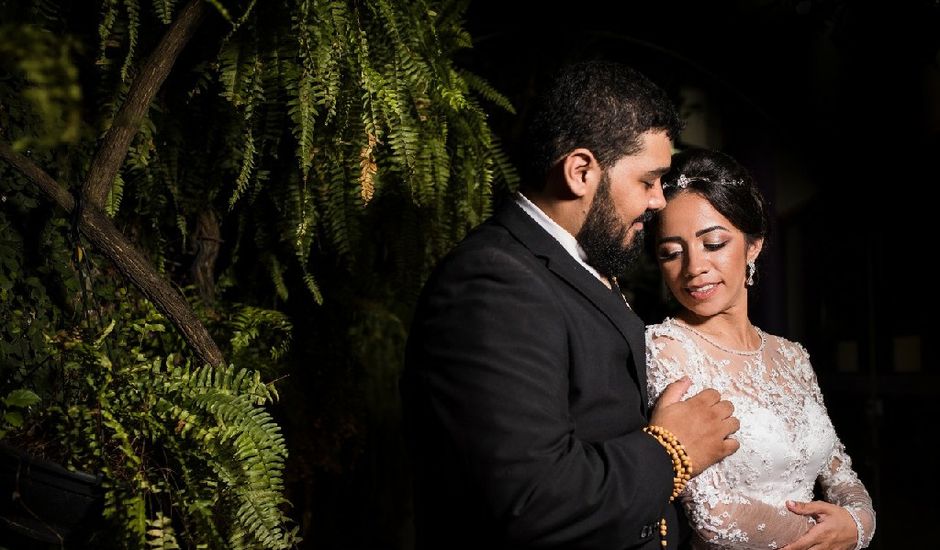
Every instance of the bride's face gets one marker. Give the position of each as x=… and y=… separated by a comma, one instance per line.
x=703, y=256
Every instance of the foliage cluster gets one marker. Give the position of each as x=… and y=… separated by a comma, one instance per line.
x=189, y=454
x=304, y=165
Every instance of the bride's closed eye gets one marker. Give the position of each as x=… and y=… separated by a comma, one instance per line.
x=715, y=246
x=666, y=254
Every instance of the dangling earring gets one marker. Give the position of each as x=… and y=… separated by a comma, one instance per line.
x=751, y=270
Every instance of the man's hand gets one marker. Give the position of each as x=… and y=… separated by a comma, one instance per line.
x=701, y=423
x=834, y=530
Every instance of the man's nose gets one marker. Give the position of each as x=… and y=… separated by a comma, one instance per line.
x=656, y=200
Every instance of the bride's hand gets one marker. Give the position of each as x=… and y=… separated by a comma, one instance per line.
x=834, y=530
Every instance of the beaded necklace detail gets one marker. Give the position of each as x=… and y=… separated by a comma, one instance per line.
x=703, y=336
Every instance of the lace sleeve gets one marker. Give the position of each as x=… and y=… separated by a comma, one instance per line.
x=841, y=485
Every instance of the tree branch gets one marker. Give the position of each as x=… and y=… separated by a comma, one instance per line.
x=101, y=231
x=37, y=175
x=113, y=149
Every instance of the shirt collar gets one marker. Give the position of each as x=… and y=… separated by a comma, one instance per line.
x=564, y=238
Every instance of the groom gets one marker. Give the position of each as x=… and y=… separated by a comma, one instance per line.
x=524, y=388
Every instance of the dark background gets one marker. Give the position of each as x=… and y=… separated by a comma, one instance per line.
x=835, y=108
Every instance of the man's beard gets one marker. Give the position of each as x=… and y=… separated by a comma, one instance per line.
x=603, y=235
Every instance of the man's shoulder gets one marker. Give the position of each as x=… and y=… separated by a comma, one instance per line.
x=488, y=247
x=491, y=240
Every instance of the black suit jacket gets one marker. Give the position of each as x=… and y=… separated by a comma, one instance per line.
x=524, y=394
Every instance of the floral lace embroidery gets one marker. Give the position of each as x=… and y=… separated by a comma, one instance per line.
x=787, y=441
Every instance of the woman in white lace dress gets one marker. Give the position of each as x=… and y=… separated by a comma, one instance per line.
x=706, y=241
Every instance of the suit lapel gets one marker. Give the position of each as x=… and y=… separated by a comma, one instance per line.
x=560, y=262
x=637, y=340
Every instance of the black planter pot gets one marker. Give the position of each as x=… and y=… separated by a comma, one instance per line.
x=43, y=505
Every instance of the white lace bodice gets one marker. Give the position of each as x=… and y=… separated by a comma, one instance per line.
x=787, y=441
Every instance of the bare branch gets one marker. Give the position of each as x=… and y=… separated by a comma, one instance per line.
x=101, y=231
x=37, y=175
x=126, y=122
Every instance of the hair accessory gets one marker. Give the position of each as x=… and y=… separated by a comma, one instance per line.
x=683, y=181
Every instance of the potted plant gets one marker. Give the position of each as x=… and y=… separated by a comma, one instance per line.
x=50, y=504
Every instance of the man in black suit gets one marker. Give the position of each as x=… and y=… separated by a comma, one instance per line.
x=524, y=388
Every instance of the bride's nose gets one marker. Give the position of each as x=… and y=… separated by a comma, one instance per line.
x=695, y=264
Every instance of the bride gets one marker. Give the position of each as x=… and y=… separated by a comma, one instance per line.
x=707, y=240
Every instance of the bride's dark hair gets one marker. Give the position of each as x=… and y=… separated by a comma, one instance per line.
x=725, y=184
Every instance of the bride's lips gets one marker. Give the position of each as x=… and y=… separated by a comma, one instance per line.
x=702, y=292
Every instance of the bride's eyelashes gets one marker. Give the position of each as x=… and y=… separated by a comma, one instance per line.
x=666, y=254
x=715, y=246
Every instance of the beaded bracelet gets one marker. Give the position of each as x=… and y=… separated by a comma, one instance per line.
x=681, y=465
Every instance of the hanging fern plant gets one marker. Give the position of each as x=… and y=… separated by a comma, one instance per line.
x=365, y=99
x=304, y=164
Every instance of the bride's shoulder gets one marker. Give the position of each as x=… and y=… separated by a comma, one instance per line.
x=667, y=329
x=666, y=332
x=790, y=349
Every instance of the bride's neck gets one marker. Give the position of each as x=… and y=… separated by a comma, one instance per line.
x=731, y=329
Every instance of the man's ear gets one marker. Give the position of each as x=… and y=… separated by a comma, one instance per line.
x=581, y=171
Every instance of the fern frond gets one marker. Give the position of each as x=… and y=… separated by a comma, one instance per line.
x=133, y=27
x=313, y=287
x=485, y=89
x=506, y=172
x=115, y=194
x=232, y=63
x=160, y=533
x=247, y=169
x=303, y=217
x=131, y=511
x=277, y=277
x=105, y=28
x=48, y=11
x=183, y=229
x=335, y=206
x=302, y=110
x=221, y=9
x=367, y=169
x=249, y=10
x=218, y=408
x=249, y=322
x=164, y=10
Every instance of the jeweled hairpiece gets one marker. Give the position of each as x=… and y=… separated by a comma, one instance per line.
x=683, y=181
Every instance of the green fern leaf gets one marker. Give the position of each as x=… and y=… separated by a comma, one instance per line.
x=133, y=27
x=164, y=10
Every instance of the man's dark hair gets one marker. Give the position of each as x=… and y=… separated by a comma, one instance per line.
x=602, y=106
